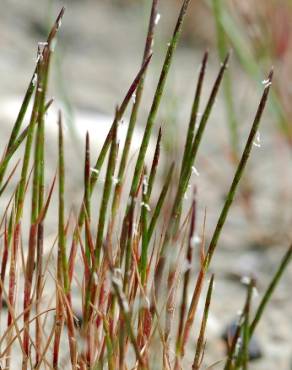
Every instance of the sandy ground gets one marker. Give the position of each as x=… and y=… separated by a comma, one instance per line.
x=100, y=49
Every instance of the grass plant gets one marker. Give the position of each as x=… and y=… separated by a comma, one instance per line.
x=132, y=290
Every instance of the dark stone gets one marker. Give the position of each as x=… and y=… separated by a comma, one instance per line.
x=254, y=349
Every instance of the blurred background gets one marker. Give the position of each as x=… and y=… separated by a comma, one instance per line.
x=98, y=54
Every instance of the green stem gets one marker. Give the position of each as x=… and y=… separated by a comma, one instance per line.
x=238, y=173
x=284, y=263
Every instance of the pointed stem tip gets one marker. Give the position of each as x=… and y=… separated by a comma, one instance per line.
x=226, y=60
x=270, y=77
x=61, y=14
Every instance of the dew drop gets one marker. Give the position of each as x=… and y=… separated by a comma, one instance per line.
x=257, y=141
x=59, y=24
x=94, y=170
x=195, y=240
x=34, y=79
x=95, y=278
x=195, y=171
x=146, y=205
x=255, y=293
x=42, y=44
x=266, y=83
x=116, y=180
x=145, y=185
x=157, y=19
x=134, y=97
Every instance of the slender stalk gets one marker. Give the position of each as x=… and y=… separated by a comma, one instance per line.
x=134, y=112
x=143, y=222
x=118, y=116
x=234, y=345
x=87, y=194
x=186, y=277
x=22, y=184
x=106, y=195
x=40, y=170
x=194, y=113
x=160, y=203
x=27, y=97
x=9, y=153
x=251, y=65
x=244, y=355
x=201, y=339
x=239, y=172
x=4, y=260
x=62, y=249
x=102, y=216
x=154, y=166
x=61, y=229
x=128, y=257
x=124, y=306
x=12, y=283
x=59, y=322
x=97, y=168
x=227, y=85
x=37, y=200
x=157, y=97
x=20, y=195
x=275, y=280
x=186, y=171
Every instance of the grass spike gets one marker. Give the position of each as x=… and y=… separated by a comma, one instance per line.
x=157, y=97
x=201, y=339
x=239, y=172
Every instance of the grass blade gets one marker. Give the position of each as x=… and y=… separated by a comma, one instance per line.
x=201, y=339
x=275, y=280
x=239, y=172
x=134, y=113
x=157, y=97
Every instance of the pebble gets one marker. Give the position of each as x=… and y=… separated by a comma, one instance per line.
x=254, y=349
